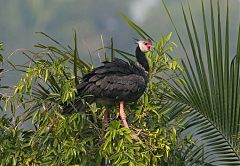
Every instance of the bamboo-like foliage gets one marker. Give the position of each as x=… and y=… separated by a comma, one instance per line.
x=48, y=83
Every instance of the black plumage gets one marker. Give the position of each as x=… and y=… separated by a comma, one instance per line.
x=113, y=82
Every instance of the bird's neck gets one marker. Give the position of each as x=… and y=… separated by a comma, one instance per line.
x=142, y=59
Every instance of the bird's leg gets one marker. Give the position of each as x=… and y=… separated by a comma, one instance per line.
x=123, y=118
x=104, y=121
x=123, y=115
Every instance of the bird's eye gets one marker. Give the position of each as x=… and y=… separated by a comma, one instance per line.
x=145, y=44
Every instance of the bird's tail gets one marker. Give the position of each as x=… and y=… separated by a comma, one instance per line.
x=77, y=106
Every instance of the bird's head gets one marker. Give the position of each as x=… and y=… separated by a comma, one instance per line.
x=145, y=46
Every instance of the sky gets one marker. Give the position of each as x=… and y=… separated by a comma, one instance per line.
x=139, y=10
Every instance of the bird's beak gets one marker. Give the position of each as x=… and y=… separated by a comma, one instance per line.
x=136, y=40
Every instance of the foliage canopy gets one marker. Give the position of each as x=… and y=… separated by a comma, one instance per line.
x=49, y=82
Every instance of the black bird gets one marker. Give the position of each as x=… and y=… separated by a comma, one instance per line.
x=116, y=81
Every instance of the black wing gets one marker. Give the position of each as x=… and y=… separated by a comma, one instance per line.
x=116, y=80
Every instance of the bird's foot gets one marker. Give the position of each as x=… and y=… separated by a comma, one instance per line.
x=135, y=137
x=124, y=121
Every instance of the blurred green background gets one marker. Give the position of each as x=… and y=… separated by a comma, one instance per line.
x=19, y=20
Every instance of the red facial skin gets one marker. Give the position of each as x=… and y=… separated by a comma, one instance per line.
x=149, y=46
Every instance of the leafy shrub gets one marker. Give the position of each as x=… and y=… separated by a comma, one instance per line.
x=49, y=83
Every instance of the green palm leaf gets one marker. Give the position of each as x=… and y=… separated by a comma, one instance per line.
x=140, y=31
x=211, y=90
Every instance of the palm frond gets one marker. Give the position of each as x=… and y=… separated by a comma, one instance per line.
x=135, y=27
x=211, y=89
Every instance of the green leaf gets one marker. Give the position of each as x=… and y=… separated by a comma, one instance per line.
x=141, y=32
